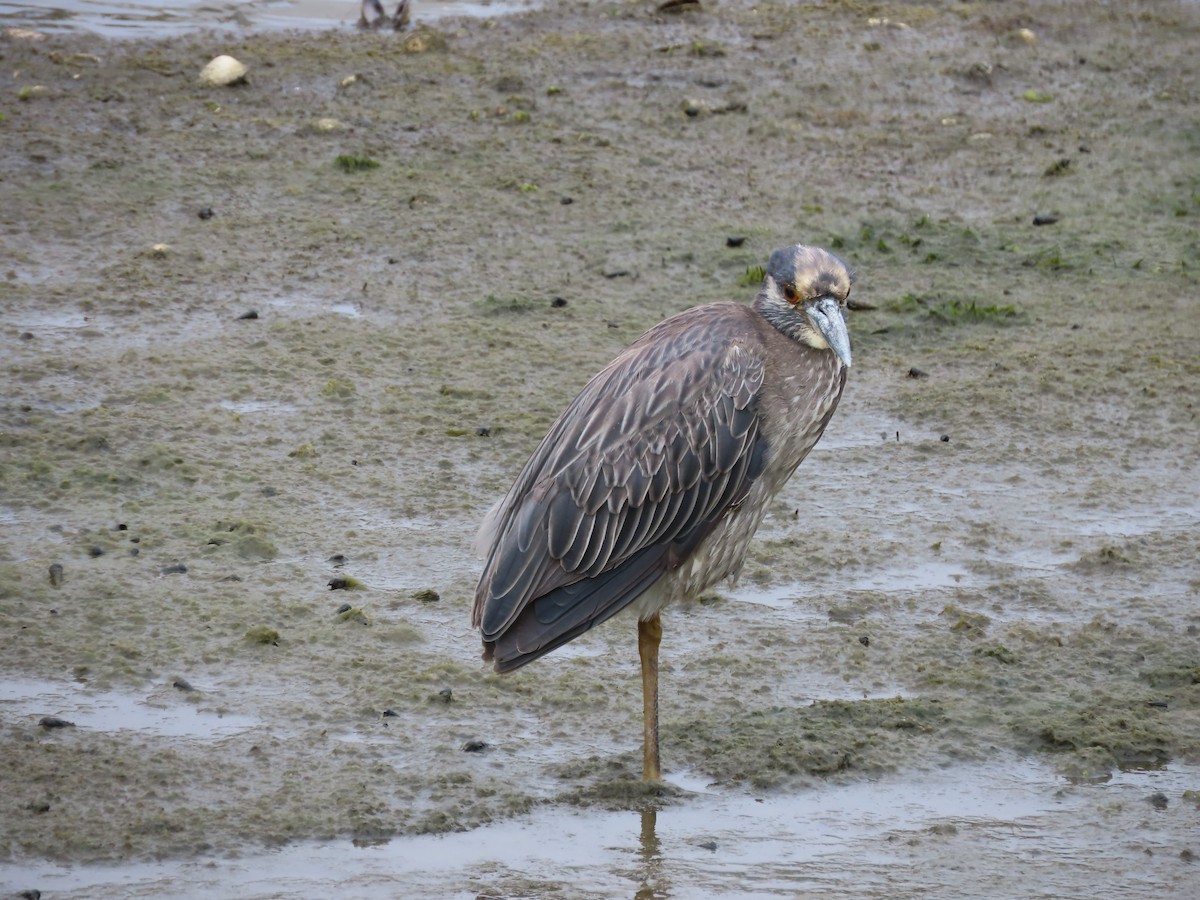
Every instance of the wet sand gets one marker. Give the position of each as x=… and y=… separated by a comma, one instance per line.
x=981, y=586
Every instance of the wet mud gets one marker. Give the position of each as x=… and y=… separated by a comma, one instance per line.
x=305, y=329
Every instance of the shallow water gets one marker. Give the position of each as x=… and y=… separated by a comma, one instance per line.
x=891, y=837
x=163, y=18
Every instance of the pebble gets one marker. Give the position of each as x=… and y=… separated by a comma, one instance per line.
x=55, y=722
x=177, y=569
x=223, y=71
x=182, y=684
x=56, y=574
x=344, y=608
x=474, y=746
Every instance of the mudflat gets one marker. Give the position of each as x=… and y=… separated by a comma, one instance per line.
x=271, y=351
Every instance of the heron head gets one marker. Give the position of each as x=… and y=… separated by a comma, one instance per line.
x=804, y=295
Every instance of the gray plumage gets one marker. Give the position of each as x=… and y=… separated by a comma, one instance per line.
x=649, y=487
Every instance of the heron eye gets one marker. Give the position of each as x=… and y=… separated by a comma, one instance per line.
x=789, y=293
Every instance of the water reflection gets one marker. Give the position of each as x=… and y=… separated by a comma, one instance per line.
x=651, y=855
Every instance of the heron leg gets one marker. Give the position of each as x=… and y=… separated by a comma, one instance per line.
x=649, y=637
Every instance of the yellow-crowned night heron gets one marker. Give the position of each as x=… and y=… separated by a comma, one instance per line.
x=651, y=484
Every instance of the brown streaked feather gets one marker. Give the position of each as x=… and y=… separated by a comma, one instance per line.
x=631, y=476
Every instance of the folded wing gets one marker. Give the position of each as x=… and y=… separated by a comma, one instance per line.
x=629, y=480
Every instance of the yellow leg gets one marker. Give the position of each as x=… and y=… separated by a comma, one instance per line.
x=649, y=637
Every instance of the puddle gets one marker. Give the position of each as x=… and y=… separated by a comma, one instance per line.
x=244, y=407
x=169, y=716
x=35, y=320
x=163, y=18
x=898, y=836
x=349, y=310
x=916, y=575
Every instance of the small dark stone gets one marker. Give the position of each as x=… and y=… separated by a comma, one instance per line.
x=613, y=325
x=1158, y=704
x=390, y=713
x=1186, y=855
x=1158, y=800
x=558, y=302
x=56, y=574
x=427, y=595
x=1044, y=220
x=270, y=492
x=54, y=722
x=1058, y=167
x=27, y=335
x=182, y=684
x=338, y=559
x=135, y=540
x=566, y=201
x=338, y=584
x=474, y=746
x=206, y=213
x=708, y=845
x=177, y=569
x=94, y=551
x=865, y=641
x=446, y=695
x=121, y=526
x=483, y=431
x=38, y=807
x=914, y=372
x=615, y=273
x=249, y=314
x=32, y=893
x=735, y=240
x=344, y=608
x=860, y=305
x=945, y=439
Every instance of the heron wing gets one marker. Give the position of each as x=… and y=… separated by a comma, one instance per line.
x=629, y=479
